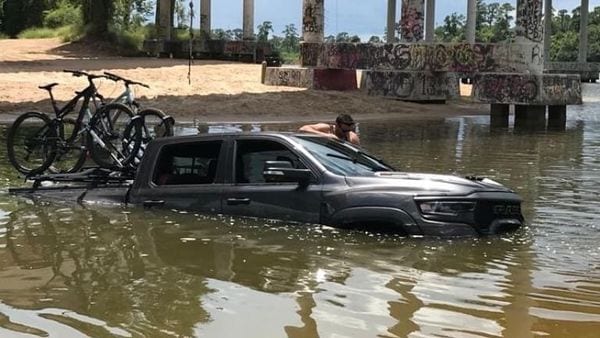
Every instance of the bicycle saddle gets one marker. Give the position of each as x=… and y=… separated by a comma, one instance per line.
x=48, y=86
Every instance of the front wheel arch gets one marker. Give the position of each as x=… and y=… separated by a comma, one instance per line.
x=376, y=218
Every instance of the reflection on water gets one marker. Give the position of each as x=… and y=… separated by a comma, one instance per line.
x=68, y=271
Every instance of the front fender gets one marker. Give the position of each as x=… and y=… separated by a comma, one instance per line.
x=396, y=218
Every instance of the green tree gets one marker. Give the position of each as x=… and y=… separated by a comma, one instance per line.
x=453, y=29
x=263, y=31
x=97, y=15
x=565, y=46
x=342, y=37
x=221, y=34
x=375, y=39
x=14, y=11
x=291, y=39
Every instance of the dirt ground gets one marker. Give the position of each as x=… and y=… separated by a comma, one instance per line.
x=219, y=91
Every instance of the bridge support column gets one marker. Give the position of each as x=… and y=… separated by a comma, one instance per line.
x=164, y=19
x=390, y=33
x=583, y=31
x=248, y=25
x=205, y=19
x=313, y=21
x=412, y=20
x=499, y=115
x=471, y=20
x=530, y=117
x=557, y=117
x=547, y=29
x=530, y=30
x=430, y=21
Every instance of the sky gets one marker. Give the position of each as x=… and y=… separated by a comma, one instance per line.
x=356, y=17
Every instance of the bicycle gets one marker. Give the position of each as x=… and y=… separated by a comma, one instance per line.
x=156, y=122
x=36, y=142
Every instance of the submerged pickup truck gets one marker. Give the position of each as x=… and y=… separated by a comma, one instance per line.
x=294, y=177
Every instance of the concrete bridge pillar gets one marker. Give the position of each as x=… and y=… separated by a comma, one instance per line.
x=471, y=20
x=530, y=117
x=530, y=32
x=205, y=19
x=164, y=18
x=430, y=21
x=583, y=31
x=412, y=20
x=391, y=22
x=557, y=117
x=529, y=21
x=547, y=29
x=248, y=26
x=313, y=21
x=499, y=115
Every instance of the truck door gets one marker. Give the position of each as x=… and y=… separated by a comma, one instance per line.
x=250, y=194
x=186, y=177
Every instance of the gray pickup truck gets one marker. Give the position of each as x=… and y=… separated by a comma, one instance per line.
x=294, y=177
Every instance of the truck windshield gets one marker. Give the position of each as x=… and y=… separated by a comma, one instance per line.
x=342, y=158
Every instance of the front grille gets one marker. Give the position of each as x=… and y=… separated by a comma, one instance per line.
x=488, y=211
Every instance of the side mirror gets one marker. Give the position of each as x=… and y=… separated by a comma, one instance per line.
x=282, y=171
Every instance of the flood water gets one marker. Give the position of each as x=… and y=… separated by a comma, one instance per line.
x=69, y=271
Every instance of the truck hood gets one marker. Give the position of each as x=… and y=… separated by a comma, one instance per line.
x=425, y=184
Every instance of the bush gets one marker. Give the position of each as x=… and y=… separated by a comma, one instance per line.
x=65, y=14
x=130, y=41
x=290, y=58
x=38, y=33
x=70, y=33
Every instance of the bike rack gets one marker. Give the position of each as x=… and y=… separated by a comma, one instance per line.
x=92, y=176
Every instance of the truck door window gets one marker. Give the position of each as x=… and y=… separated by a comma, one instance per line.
x=251, y=156
x=192, y=163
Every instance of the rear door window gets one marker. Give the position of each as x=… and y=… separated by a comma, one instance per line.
x=191, y=163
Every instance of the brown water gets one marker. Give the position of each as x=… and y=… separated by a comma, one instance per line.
x=68, y=271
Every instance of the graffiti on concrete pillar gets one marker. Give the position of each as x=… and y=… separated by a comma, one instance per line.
x=412, y=20
x=529, y=19
x=312, y=18
x=342, y=56
x=411, y=85
x=281, y=76
x=502, y=88
x=561, y=89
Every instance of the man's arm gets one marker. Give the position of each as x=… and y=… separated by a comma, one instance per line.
x=353, y=138
x=318, y=128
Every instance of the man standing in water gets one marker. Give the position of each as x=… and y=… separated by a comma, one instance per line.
x=343, y=129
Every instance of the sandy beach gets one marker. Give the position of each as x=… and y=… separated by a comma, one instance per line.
x=216, y=91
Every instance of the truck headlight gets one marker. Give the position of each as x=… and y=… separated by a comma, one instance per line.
x=446, y=208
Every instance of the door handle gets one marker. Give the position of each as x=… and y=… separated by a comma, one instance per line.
x=238, y=201
x=153, y=203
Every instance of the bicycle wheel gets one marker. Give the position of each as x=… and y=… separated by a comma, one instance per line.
x=70, y=157
x=155, y=124
x=31, y=143
x=114, y=136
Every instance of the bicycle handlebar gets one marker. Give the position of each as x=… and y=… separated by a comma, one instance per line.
x=79, y=73
x=128, y=82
